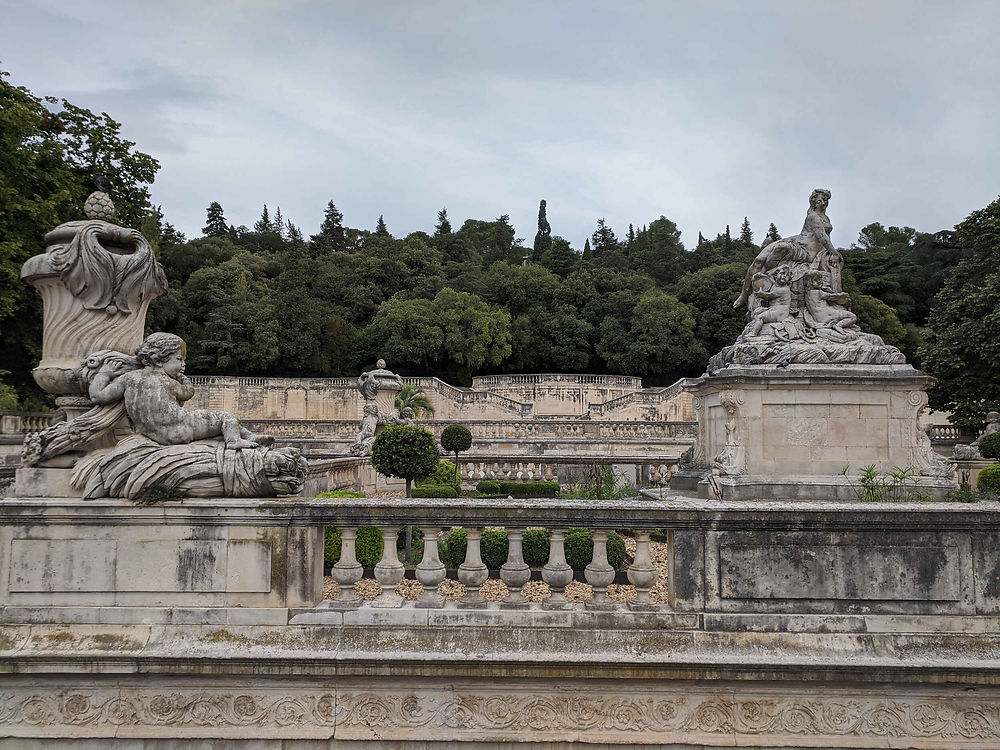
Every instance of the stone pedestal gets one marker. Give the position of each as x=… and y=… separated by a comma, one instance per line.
x=806, y=431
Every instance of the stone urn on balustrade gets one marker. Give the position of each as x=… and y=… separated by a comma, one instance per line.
x=96, y=280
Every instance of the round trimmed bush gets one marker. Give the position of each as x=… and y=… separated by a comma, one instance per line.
x=536, y=547
x=988, y=479
x=456, y=438
x=435, y=490
x=368, y=546
x=580, y=548
x=406, y=452
x=989, y=445
x=455, y=544
x=488, y=487
x=494, y=549
x=331, y=546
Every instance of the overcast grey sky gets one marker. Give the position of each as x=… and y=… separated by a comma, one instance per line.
x=703, y=112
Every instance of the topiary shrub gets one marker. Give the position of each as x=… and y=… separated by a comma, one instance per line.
x=455, y=439
x=494, y=549
x=488, y=487
x=435, y=490
x=368, y=546
x=455, y=545
x=580, y=548
x=988, y=480
x=536, y=547
x=341, y=493
x=989, y=445
x=529, y=489
x=406, y=452
x=444, y=474
x=331, y=546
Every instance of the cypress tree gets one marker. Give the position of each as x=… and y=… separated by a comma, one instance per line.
x=746, y=236
x=264, y=222
x=331, y=232
x=543, y=238
x=772, y=232
x=380, y=228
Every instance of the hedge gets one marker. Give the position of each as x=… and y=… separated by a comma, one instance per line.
x=488, y=487
x=989, y=445
x=529, y=489
x=367, y=546
x=580, y=548
x=435, y=490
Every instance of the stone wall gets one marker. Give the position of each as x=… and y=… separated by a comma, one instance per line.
x=500, y=397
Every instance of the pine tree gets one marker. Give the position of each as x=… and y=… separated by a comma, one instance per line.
x=264, y=223
x=331, y=232
x=587, y=252
x=746, y=236
x=216, y=221
x=380, y=228
x=604, y=238
x=701, y=238
x=443, y=225
x=727, y=242
x=543, y=238
x=630, y=241
x=292, y=232
x=278, y=223
x=772, y=233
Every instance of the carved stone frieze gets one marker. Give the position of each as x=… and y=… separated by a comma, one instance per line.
x=836, y=718
x=731, y=459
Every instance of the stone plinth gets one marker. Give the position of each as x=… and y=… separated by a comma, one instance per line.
x=767, y=432
x=217, y=561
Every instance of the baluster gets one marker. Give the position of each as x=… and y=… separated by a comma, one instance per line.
x=347, y=571
x=599, y=573
x=389, y=570
x=473, y=572
x=515, y=572
x=556, y=572
x=642, y=574
x=430, y=571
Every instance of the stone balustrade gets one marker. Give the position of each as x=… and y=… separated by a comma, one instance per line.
x=18, y=422
x=500, y=381
x=640, y=471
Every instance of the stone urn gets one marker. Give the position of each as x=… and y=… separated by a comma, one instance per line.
x=96, y=280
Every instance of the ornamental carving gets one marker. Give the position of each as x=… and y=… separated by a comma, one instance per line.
x=923, y=458
x=732, y=457
x=837, y=718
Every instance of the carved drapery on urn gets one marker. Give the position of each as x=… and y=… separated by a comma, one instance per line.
x=96, y=280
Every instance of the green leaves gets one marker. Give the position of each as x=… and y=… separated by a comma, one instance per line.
x=406, y=452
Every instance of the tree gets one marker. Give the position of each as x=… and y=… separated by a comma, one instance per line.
x=50, y=151
x=711, y=292
x=413, y=397
x=405, y=452
x=380, y=228
x=587, y=252
x=264, y=223
x=215, y=226
x=443, y=225
x=658, y=251
x=962, y=345
x=604, y=239
x=278, y=223
x=543, y=237
x=772, y=232
x=561, y=258
x=331, y=237
x=746, y=236
x=455, y=439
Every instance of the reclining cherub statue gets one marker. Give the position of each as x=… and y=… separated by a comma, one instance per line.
x=153, y=387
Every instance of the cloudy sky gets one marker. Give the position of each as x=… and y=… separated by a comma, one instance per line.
x=704, y=112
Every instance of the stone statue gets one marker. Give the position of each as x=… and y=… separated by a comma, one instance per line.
x=970, y=451
x=378, y=387
x=198, y=453
x=798, y=311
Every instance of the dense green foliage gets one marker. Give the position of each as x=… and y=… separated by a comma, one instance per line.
x=493, y=548
x=962, y=344
x=435, y=490
x=456, y=438
x=368, y=546
x=331, y=546
x=989, y=479
x=488, y=487
x=406, y=452
x=443, y=474
x=529, y=489
x=535, y=547
x=989, y=445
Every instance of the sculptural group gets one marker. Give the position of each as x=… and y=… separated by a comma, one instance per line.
x=798, y=311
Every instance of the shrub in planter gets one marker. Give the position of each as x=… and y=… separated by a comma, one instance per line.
x=536, y=547
x=988, y=479
x=580, y=549
x=488, y=487
x=331, y=546
x=444, y=474
x=494, y=548
x=368, y=546
x=435, y=490
x=989, y=445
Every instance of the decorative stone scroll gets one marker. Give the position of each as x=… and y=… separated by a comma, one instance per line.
x=927, y=461
x=798, y=311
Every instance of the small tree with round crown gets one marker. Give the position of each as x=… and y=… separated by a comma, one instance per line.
x=455, y=438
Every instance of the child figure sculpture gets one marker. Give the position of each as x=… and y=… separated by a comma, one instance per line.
x=153, y=390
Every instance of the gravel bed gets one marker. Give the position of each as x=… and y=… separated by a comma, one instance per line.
x=535, y=591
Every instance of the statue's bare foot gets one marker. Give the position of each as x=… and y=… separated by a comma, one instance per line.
x=240, y=444
x=264, y=440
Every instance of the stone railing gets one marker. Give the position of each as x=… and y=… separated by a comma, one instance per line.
x=208, y=380
x=640, y=471
x=18, y=422
x=561, y=429
x=500, y=381
x=648, y=395
x=327, y=474
x=948, y=434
